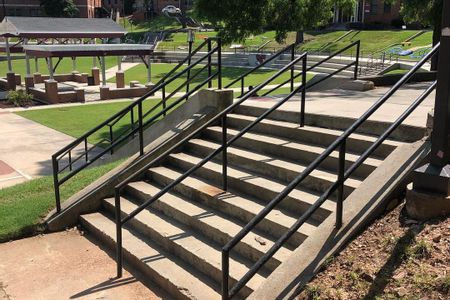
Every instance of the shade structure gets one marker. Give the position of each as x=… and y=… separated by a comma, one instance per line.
x=41, y=27
x=79, y=50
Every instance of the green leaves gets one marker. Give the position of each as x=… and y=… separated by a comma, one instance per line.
x=59, y=8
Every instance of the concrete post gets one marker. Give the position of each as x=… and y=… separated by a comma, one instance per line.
x=50, y=67
x=74, y=65
x=430, y=195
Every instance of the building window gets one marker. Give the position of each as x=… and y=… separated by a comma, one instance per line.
x=387, y=7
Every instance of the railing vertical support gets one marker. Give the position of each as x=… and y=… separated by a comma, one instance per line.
x=293, y=67
x=189, y=63
x=141, y=129
x=225, y=274
x=219, y=64
x=86, y=153
x=358, y=48
x=242, y=86
x=111, y=137
x=119, y=254
x=209, y=64
x=303, y=100
x=340, y=180
x=56, y=183
x=224, y=154
x=164, y=104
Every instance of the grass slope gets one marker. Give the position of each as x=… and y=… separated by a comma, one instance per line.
x=23, y=206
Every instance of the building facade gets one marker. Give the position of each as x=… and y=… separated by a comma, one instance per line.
x=370, y=12
x=32, y=8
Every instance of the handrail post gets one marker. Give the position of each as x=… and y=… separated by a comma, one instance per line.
x=224, y=154
x=111, y=139
x=189, y=63
x=303, y=100
x=358, y=48
x=119, y=252
x=225, y=274
x=340, y=180
x=293, y=67
x=164, y=99
x=56, y=183
x=141, y=129
x=219, y=63
x=209, y=63
x=242, y=86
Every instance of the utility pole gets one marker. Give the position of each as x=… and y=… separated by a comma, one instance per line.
x=430, y=196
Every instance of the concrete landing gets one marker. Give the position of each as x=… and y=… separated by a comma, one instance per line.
x=64, y=265
x=353, y=104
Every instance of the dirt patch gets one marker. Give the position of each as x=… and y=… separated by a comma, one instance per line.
x=395, y=258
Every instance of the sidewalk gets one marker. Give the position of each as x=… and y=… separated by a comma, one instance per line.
x=65, y=265
x=26, y=148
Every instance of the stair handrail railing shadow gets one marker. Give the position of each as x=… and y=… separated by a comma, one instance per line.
x=343, y=174
x=137, y=120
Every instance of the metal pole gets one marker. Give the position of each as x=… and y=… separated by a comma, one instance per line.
x=8, y=55
x=141, y=129
x=56, y=183
x=50, y=67
x=74, y=64
x=119, y=63
x=224, y=154
x=219, y=64
x=118, y=234
x=27, y=60
x=103, y=70
x=340, y=180
x=36, y=65
x=189, y=63
x=303, y=100
x=293, y=68
x=358, y=47
x=149, y=69
x=209, y=64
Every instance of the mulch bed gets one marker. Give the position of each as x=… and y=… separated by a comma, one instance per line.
x=395, y=258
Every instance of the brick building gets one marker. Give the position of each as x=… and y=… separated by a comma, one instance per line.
x=370, y=12
x=32, y=8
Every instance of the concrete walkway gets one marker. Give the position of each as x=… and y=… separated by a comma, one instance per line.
x=111, y=72
x=353, y=104
x=65, y=265
x=26, y=148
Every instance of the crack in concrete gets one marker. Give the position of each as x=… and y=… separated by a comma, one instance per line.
x=3, y=292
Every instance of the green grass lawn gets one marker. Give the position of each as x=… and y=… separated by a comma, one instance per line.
x=228, y=74
x=77, y=120
x=23, y=206
x=84, y=65
x=371, y=40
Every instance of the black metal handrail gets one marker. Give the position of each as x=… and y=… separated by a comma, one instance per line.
x=241, y=78
x=139, y=123
x=343, y=175
x=222, y=116
x=319, y=63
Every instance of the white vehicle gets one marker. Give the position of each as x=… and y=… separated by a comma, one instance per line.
x=171, y=10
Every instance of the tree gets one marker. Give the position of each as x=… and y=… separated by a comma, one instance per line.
x=428, y=13
x=241, y=18
x=60, y=8
x=129, y=6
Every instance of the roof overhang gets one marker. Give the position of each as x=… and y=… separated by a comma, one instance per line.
x=91, y=50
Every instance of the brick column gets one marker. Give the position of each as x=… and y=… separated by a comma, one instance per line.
x=11, y=79
x=104, y=92
x=120, y=79
x=51, y=90
x=96, y=75
x=29, y=82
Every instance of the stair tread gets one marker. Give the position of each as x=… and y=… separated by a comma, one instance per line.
x=188, y=239
x=299, y=193
x=187, y=283
x=289, y=144
x=211, y=218
x=315, y=129
x=275, y=215
x=276, y=162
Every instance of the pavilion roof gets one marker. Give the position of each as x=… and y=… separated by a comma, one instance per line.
x=39, y=27
x=77, y=50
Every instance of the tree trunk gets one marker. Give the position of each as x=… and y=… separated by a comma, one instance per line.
x=299, y=37
x=437, y=31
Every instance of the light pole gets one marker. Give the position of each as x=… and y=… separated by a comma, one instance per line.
x=430, y=196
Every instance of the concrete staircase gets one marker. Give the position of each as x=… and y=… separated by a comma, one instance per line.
x=177, y=242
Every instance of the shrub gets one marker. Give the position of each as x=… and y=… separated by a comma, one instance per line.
x=20, y=98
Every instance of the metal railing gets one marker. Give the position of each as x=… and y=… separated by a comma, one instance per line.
x=343, y=174
x=241, y=79
x=134, y=117
x=221, y=117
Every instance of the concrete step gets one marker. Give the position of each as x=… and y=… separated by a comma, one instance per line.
x=212, y=223
x=189, y=246
x=357, y=143
x=159, y=266
x=284, y=148
x=240, y=207
x=250, y=184
x=270, y=166
x=404, y=133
